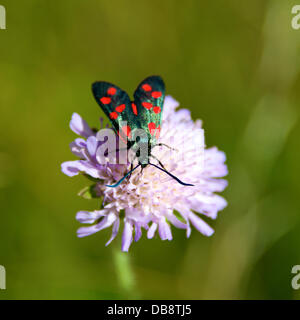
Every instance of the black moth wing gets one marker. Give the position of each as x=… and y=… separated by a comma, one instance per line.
x=149, y=99
x=116, y=105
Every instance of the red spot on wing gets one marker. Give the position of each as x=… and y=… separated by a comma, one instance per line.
x=154, y=130
x=156, y=94
x=111, y=91
x=127, y=131
x=156, y=109
x=147, y=105
x=113, y=115
x=134, y=109
x=120, y=108
x=105, y=100
x=146, y=87
x=157, y=132
x=151, y=126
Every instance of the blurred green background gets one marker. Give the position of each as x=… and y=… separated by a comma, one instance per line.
x=235, y=64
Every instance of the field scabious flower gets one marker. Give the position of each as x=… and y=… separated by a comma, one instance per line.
x=152, y=200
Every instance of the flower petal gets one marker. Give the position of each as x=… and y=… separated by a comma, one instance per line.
x=73, y=168
x=77, y=147
x=170, y=103
x=176, y=222
x=208, y=204
x=104, y=223
x=70, y=168
x=115, y=231
x=138, y=232
x=200, y=225
x=92, y=145
x=164, y=230
x=127, y=235
x=151, y=230
x=89, y=216
x=80, y=126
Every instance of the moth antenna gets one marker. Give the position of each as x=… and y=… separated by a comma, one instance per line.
x=171, y=175
x=165, y=145
x=122, y=179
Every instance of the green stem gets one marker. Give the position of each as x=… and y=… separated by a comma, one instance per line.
x=125, y=273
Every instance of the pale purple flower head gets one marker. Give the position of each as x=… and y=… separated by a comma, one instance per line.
x=153, y=200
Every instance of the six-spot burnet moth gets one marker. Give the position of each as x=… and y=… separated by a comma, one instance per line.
x=142, y=114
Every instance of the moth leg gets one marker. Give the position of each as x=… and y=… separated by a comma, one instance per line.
x=158, y=162
x=131, y=167
x=165, y=145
